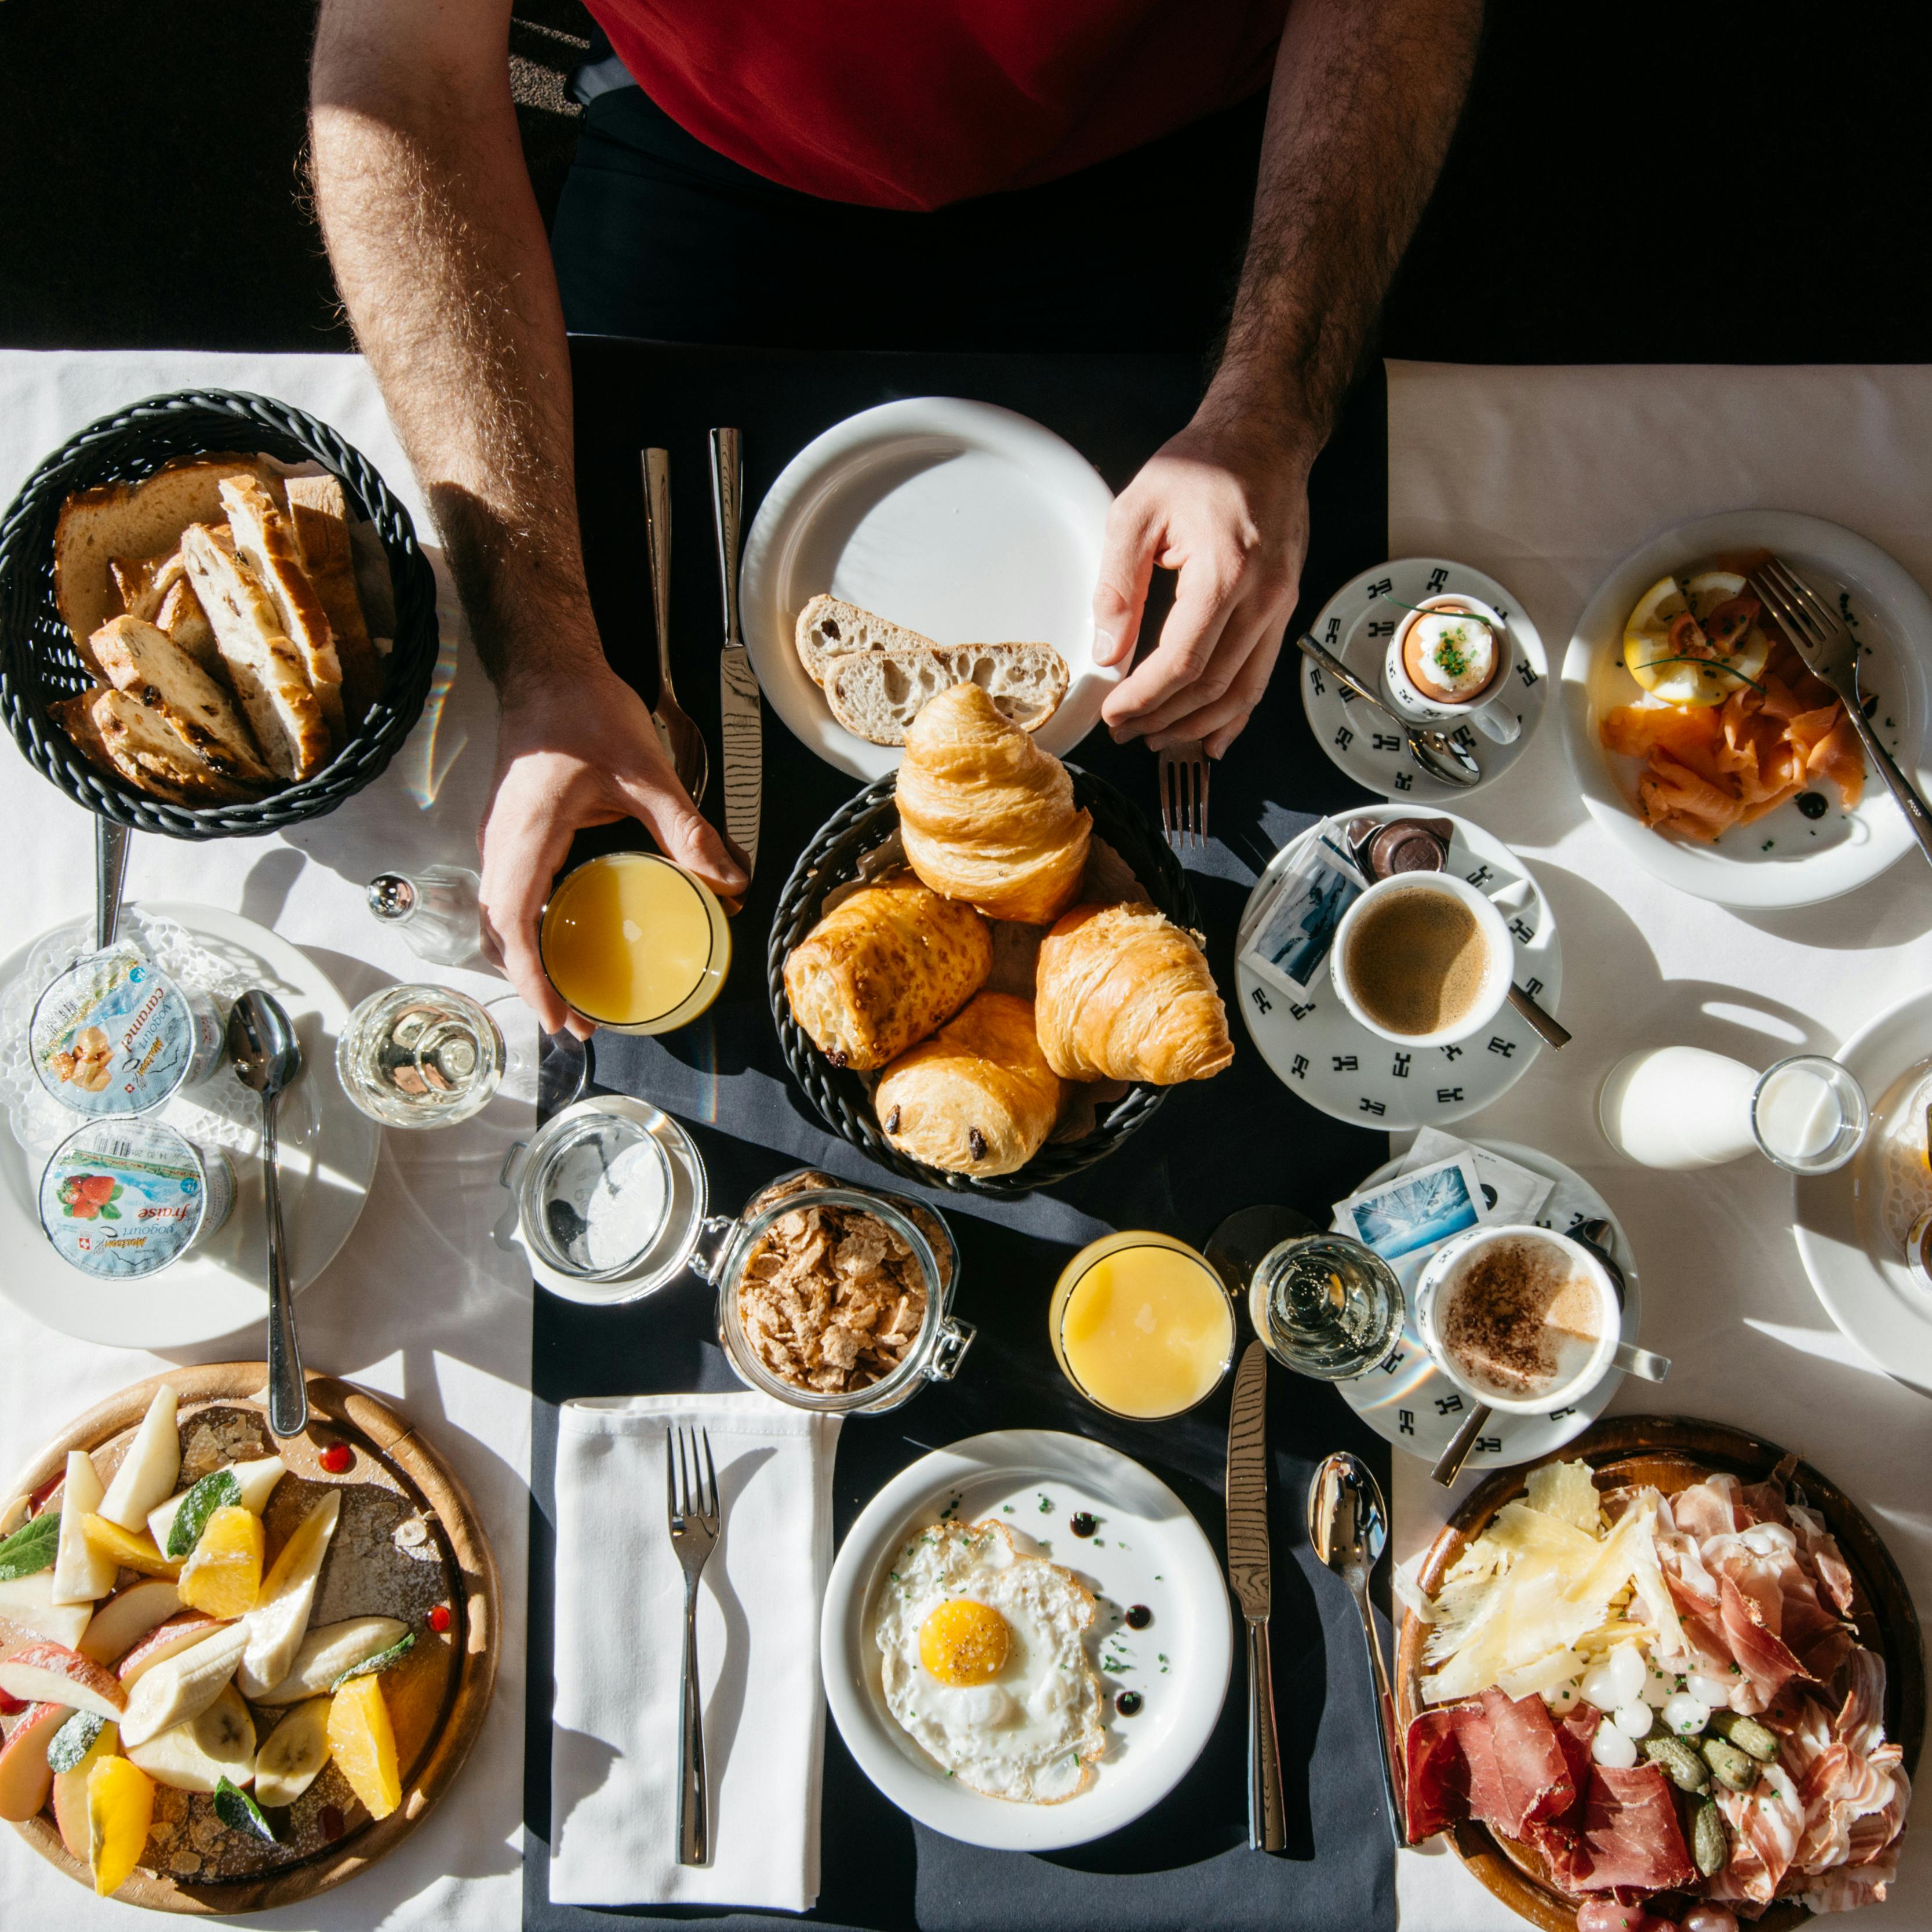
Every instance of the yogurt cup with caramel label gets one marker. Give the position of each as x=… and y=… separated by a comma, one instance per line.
x=114, y=1035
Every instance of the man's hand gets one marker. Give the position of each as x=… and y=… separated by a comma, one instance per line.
x=582, y=751
x=1224, y=503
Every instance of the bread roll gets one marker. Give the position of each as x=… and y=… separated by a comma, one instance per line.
x=883, y=968
x=1123, y=993
x=988, y=816
x=978, y=1097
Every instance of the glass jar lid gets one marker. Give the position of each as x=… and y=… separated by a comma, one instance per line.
x=596, y=1195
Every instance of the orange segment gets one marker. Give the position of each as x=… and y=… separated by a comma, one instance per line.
x=120, y=1809
x=70, y=1804
x=224, y=1575
x=363, y=1745
x=132, y=1550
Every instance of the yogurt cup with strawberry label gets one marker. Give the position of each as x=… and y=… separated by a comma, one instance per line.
x=114, y=1035
x=121, y=1199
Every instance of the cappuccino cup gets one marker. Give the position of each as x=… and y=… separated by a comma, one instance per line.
x=1448, y=663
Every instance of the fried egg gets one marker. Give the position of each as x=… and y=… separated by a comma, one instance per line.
x=984, y=1663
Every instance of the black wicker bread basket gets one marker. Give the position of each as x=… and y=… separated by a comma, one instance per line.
x=830, y=860
x=38, y=662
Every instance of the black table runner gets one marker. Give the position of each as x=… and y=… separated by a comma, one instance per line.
x=1215, y=1147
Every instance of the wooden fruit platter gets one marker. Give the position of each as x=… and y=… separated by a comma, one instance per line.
x=410, y=1546
x=1669, y=1453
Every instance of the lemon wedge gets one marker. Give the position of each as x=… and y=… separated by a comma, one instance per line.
x=1654, y=659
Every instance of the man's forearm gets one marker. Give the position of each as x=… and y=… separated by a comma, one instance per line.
x=1366, y=96
x=440, y=257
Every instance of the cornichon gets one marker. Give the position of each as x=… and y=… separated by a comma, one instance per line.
x=370, y=1666
x=1731, y=1767
x=1679, y=1762
x=1747, y=1734
x=240, y=1813
x=32, y=1548
x=1710, y=1842
x=211, y=1493
x=73, y=1740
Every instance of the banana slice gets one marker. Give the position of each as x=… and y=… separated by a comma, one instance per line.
x=196, y=1756
x=293, y=1753
x=1655, y=640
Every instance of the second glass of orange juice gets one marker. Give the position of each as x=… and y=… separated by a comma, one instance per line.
x=634, y=943
x=1142, y=1326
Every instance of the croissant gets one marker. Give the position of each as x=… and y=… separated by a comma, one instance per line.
x=883, y=968
x=1122, y=994
x=988, y=816
x=978, y=1097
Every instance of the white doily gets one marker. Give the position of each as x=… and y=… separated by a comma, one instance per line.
x=1896, y=1182
x=220, y=1112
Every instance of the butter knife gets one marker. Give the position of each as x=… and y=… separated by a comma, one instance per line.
x=743, y=725
x=1248, y=1573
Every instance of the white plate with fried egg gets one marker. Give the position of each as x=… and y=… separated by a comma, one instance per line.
x=992, y=1594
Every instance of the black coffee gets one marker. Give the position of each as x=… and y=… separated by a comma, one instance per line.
x=1418, y=961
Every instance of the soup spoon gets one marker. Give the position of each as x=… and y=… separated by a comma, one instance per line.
x=1436, y=752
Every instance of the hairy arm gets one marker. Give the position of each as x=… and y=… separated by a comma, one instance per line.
x=1364, y=99
x=441, y=258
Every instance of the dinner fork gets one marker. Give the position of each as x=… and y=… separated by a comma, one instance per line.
x=1825, y=641
x=690, y=1504
x=1184, y=793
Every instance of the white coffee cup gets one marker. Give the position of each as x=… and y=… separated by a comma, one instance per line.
x=1443, y=1279
x=1501, y=949
x=1487, y=710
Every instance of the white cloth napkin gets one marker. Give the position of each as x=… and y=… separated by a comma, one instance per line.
x=619, y=1655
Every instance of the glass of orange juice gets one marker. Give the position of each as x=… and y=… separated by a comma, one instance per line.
x=634, y=943
x=1142, y=1326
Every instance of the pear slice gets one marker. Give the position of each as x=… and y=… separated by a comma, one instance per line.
x=147, y=1471
x=330, y=1649
x=82, y=1575
x=197, y=1755
x=280, y=1619
x=127, y=1617
x=256, y=1479
x=293, y=1754
x=179, y=1689
x=27, y=1611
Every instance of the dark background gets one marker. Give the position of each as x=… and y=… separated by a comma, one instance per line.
x=1659, y=180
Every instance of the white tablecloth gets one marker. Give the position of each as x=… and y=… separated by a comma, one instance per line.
x=1545, y=477
x=420, y=1305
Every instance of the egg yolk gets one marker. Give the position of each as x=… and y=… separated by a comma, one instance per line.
x=964, y=1642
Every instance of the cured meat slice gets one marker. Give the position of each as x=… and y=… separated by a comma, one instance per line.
x=1631, y=1832
x=1435, y=1783
x=1490, y=1759
x=1759, y=1654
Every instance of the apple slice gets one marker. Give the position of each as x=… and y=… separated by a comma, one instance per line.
x=28, y=1614
x=181, y=1631
x=25, y=1776
x=198, y=1755
x=122, y=1622
x=330, y=1649
x=147, y=1471
x=280, y=1619
x=293, y=1754
x=82, y=1574
x=183, y=1686
x=50, y=1673
x=71, y=1791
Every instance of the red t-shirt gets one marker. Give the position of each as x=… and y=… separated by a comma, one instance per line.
x=914, y=104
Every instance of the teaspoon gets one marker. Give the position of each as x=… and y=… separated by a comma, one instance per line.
x=1436, y=752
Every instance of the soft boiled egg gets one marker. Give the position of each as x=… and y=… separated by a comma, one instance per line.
x=1697, y=641
x=984, y=1663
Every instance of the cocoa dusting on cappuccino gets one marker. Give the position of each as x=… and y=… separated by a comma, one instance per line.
x=1418, y=962
x=1520, y=1317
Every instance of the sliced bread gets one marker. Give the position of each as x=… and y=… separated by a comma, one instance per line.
x=144, y=582
x=263, y=666
x=150, y=753
x=319, y=511
x=134, y=520
x=265, y=537
x=876, y=695
x=147, y=664
x=181, y=616
x=75, y=716
x=830, y=627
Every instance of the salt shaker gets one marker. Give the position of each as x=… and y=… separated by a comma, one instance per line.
x=436, y=909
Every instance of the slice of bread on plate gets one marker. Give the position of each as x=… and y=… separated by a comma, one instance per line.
x=318, y=512
x=134, y=520
x=876, y=695
x=264, y=668
x=148, y=751
x=828, y=628
x=147, y=664
x=265, y=538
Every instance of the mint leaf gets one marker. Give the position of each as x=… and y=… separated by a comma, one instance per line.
x=73, y=1740
x=240, y=1813
x=212, y=1492
x=32, y=1548
x=370, y=1666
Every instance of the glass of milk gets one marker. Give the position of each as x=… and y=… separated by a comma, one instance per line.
x=1682, y=1107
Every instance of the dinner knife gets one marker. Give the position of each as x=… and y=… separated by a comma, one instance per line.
x=743, y=726
x=1248, y=1573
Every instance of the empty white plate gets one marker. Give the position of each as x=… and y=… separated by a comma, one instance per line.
x=968, y=522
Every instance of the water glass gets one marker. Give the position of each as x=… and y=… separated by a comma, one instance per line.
x=1325, y=1305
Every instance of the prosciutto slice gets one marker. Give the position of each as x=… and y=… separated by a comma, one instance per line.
x=1758, y=1651
x=1631, y=1832
x=1489, y=1759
